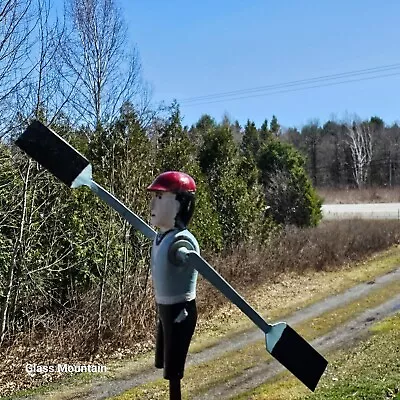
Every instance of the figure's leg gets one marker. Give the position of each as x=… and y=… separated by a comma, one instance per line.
x=178, y=322
x=182, y=333
x=178, y=331
x=159, y=355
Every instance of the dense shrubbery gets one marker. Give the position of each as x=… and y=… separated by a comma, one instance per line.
x=58, y=244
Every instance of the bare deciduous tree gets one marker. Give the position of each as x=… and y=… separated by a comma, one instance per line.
x=13, y=272
x=16, y=24
x=98, y=54
x=35, y=97
x=42, y=95
x=359, y=139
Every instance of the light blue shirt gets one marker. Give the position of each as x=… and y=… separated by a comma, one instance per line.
x=172, y=283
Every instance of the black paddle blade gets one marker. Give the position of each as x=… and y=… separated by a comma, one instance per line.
x=52, y=152
x=297, y=355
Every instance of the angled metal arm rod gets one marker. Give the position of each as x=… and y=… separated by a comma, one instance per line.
x=208, y=272
x=124, y=211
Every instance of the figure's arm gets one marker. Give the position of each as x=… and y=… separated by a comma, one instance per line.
x=182, y=252
x=124, y=211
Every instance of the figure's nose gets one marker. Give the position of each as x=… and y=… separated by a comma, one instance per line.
x=152, y=203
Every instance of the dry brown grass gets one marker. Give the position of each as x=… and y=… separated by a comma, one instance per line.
x=332, y=244
x=73, y=337
x=367, y=195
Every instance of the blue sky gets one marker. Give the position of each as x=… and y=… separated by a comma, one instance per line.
x=196, y=48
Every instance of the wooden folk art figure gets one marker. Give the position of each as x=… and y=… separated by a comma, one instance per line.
x=175, y=262
x=174, y=283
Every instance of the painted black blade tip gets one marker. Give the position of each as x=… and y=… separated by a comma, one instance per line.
x=52, y=152
x=300, y=358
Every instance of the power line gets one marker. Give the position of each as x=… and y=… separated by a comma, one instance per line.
x=322, y=80
x=292, y=90
x=297, y=82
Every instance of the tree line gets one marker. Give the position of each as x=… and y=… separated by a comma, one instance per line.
x=354, y=153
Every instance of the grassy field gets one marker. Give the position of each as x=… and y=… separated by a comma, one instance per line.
x=199, y=379
x=369, y=370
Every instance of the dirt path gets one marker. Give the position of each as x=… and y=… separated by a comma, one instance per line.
x=260, y=373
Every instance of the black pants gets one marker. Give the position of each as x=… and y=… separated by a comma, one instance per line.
x=175, y=328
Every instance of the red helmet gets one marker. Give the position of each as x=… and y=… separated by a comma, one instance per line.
x=173, y=181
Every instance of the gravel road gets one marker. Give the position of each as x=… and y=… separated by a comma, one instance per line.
x=364, y=211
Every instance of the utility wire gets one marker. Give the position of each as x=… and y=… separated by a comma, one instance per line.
x=297, y=82
x=291, y=90
x=322, y=80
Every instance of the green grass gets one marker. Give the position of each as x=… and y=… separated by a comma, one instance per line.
x=369, y=371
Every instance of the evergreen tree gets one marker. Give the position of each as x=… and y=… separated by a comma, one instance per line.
x=265, y=133
x=175, y=150
x=288, y=190
x=311, y=134
x=250, y=141
x=275, y=128
x=239, y=205
x=205, y=123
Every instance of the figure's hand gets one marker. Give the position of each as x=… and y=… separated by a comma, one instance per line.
x=176, y=253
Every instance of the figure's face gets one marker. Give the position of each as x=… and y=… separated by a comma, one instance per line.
x=164, y=208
